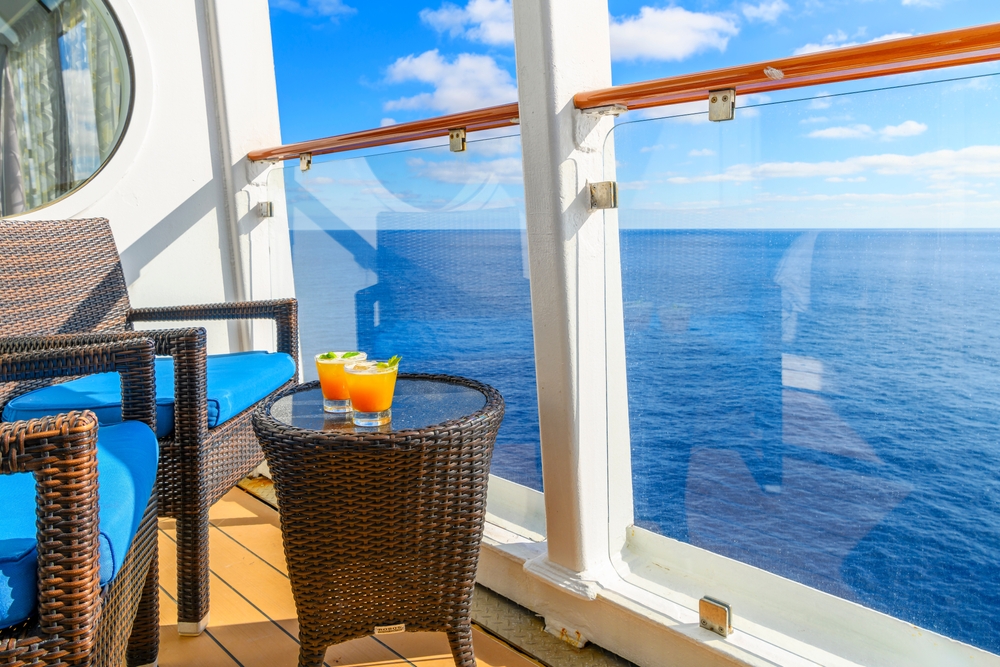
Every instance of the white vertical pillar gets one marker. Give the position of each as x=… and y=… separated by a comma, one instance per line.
x=563, y=48
x=225, y=158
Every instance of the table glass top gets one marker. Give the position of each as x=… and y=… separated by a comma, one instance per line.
x=416, y=404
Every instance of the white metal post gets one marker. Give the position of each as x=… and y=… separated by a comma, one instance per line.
x=563, y=48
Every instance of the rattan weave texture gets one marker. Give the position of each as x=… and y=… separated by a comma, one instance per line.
x=382, y=528
x=63, y=284
x=78, y=623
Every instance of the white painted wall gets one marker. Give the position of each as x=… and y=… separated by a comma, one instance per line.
x=164, y=189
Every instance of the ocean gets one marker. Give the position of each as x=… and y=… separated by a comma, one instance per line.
x=824, y=405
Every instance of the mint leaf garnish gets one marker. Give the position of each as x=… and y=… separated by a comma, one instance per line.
x=328, y=355
x=348, y=355
x=394, y=360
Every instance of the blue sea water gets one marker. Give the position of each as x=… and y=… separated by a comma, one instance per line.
x=824, y=405
x=448, y=301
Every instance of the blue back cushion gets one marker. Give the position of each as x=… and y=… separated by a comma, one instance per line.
x=235, y=382
x=127, y=456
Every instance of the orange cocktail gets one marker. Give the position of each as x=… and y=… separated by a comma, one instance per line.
x=333, y=381
x=371, y=385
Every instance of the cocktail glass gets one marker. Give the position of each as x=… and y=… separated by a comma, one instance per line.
x=371, y=385
x=332, y=380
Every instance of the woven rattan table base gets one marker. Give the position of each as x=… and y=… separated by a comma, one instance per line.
x=382, y=529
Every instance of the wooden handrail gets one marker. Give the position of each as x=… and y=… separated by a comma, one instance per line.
x=898, y=56
x=490, y=118
x=965, y=46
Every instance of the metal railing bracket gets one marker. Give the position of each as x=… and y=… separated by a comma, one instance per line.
x=609, y=110
x=722, y=105
x=716, y=616
x=456, y=140
x=603, y=195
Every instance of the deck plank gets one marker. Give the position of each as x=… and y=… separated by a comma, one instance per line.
x=271, y=592
x=265, y=594
x=253, y=612
x=245, y=632
x=430, y=649
x=177, y=651
x=253, y=524
x=494, y=653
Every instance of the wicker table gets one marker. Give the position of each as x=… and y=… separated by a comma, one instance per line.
x=382, y=526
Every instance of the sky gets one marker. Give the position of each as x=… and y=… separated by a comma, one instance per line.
x=923, y=156
x=345, y=65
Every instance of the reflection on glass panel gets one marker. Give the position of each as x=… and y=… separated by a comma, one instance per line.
x=813, y=340
x=422, y=253
x=64, y=94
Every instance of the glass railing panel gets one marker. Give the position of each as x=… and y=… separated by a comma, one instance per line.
x=812, y=308
x=421, y=252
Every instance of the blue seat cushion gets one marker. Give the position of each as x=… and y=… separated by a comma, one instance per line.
x=235, y=382
x=127, y=456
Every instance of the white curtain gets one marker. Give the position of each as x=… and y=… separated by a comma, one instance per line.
x=61, y=102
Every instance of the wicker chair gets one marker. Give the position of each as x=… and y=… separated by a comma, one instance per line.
x=75, y=621
x=65, y=278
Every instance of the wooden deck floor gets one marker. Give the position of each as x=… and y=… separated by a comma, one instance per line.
x=253, y=615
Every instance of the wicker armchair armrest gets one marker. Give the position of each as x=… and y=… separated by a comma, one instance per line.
x=167, y=341
x=187, y=347
x=46, y=357
x=61, y=452
x=283, y=311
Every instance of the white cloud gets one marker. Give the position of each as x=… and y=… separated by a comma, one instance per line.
x=838, y=179
x=822, y=101
x=873, y=198
x=765, y=11
x=503, y=170
x=491, y=143
x=487, y=21
x=814, y=119
x=839, y=40
x=670, y=33
x=650, y=149
x=844, y=132
x=909, y=128
x=386, y=122
x=331, y=8
x=921, y=3
x=971, y=84
x=747, y=99
x=468, y=82
x=745, y=104
x=693, y=113
x=944, y=165
x=701, y=152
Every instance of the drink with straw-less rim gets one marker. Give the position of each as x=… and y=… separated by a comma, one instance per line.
x=333, y=381
x=371, y=385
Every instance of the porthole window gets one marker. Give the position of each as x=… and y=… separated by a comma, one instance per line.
x=65, y=93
